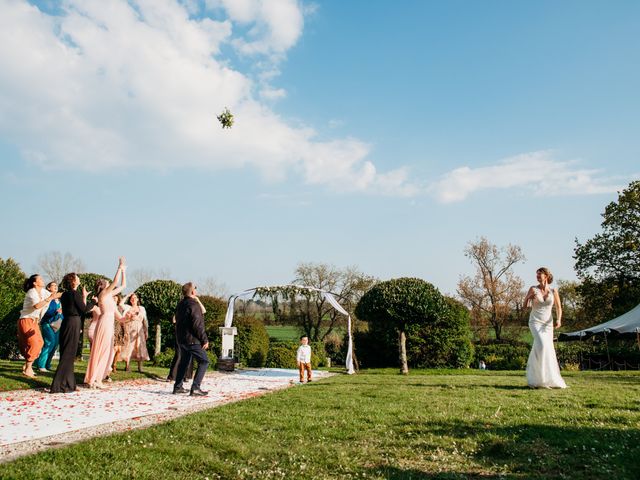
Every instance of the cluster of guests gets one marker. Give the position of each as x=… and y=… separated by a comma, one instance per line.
x=118, y=331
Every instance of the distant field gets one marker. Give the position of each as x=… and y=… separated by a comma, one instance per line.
x=286, y=333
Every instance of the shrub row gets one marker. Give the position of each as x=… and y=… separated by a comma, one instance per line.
x=283, y=355
x=502, y=356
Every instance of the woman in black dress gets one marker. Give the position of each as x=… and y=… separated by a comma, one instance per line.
x=74, y=306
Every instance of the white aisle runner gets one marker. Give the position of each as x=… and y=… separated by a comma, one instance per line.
x=28, y=415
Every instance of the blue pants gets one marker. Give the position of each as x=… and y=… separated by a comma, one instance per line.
x=50, y=344
x=187, y=353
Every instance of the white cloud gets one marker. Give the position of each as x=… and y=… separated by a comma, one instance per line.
x=538, y=172
x=138, y=84
x=270, y=93
x=276, y=24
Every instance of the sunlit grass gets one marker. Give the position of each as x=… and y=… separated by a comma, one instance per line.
x=377, y=424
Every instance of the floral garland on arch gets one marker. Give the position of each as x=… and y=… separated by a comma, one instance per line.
x=288, y=292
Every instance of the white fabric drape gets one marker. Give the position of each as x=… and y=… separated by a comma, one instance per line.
x=228, y=319
x=349, y=358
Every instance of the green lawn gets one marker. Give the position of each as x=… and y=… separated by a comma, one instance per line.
x=286, y=333
x=11, y=377
x=380, y=425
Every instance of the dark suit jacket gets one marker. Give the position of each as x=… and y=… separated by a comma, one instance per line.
x=190, y=323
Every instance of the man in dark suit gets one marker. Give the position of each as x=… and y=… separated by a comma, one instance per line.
x=192, y=338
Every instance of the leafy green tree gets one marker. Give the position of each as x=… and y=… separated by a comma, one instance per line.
x=11, y=298
x=160, y=298
x=609, y=263
x=415, y=309
x=614, y=253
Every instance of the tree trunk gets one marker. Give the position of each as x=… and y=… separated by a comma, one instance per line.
x=402, y=344
x=158, y=340
x=498, y=329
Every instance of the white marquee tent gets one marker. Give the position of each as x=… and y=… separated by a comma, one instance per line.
x=627, y=324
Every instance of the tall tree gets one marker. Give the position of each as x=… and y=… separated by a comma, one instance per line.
x=495, y=290
x=609, y=263
x=614, y=253
x=55, y=265
x=315, y=315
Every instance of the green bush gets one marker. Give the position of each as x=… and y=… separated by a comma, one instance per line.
x=252, y=342
x=164, y=358
x=160, y=298
x=502, y=356
x=283, y=355
x=595, y=353
x=213, y=320
x=9, y=333
x=437, y=328
x=334, y=347
x=11, y=300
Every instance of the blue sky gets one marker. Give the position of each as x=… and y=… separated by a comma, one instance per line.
x=385, y=135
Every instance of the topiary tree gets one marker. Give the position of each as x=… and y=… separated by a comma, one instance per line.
x=11, y=298
x=410, y=308
x=160, y=298
x=88, y=281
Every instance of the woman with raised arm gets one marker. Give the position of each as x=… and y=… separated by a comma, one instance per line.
x=36, y=302
x=102, y=351
x=542, y=367
x=74, y=306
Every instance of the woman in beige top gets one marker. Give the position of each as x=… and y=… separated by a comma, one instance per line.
x=136, y=334
x=36, y=301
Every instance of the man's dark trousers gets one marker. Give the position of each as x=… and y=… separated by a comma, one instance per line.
x=187, y=352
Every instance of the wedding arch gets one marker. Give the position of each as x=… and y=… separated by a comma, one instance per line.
x=289, y=291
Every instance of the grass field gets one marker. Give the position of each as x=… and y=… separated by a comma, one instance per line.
x=286, y=333
x=380, y=425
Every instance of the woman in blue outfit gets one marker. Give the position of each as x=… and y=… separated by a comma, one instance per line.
x=50, y=327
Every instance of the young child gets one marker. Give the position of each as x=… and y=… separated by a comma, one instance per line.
x=303, y=357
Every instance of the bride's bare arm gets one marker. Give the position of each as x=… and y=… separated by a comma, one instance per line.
x=556, y=296
x=527, y=299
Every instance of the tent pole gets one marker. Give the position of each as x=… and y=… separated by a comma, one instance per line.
x=606, y=342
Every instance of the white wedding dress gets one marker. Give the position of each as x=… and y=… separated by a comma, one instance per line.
x=542, y=367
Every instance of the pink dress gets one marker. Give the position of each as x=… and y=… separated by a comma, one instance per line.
x=95, y=315
x=102, y=351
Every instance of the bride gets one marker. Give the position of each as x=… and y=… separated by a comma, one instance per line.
x=542, y=367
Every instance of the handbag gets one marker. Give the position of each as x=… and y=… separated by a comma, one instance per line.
x=56, y=324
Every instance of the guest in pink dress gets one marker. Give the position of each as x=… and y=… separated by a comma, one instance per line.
x=95, y=315
x=102, y=352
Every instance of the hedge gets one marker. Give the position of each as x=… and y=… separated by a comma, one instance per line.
x=283, y=355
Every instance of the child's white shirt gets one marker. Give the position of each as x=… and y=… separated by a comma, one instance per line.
x=304, y=354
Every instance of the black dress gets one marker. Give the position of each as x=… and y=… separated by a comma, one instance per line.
x=73, y=308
